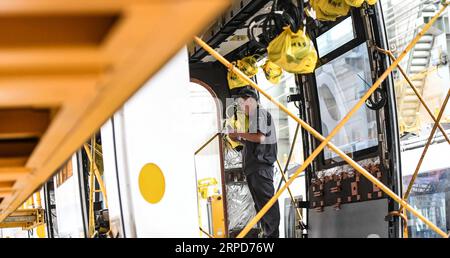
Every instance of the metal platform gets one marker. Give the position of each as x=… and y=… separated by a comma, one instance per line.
x=24, y=218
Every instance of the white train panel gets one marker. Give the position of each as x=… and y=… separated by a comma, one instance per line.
x=151, y=129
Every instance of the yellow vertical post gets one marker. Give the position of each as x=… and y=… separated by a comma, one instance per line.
x=33, y=204
x=38, y=199
x=91, y=190
x=29, y=202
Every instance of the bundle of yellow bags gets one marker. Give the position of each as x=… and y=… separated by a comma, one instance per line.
x=293, y=52
x=330, y=10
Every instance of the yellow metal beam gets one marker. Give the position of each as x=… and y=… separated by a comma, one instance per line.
x=12, y=173
x=100, y=73
x=5, y=193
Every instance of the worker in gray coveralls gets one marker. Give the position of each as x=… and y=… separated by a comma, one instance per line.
x=259, y=155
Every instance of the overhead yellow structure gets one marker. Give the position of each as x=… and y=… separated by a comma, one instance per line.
x=66, y=66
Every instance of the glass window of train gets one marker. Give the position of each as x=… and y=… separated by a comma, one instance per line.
x=335, y=37
x=340, y=84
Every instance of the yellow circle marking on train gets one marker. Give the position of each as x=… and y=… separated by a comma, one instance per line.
x=152, y=183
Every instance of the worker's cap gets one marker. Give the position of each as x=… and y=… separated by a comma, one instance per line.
x=246, y=92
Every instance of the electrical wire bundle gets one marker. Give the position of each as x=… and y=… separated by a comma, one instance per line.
x=283, y=13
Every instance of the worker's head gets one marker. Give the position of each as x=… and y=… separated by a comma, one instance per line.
x=248, y=100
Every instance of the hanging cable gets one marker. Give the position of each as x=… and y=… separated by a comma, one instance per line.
x=283, y=13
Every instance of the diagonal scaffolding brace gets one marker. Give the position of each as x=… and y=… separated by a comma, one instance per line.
x=291, y=151
x=416, y=91
x=326, y=141
x=297, y=209
x=427, y=145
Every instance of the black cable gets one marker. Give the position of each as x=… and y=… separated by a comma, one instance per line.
x=283, y=13
x=379, y=95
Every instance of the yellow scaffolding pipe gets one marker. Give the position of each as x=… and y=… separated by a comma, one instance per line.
x=419, y=96
x=427, y=145
x=326, y=141
x=97, y=175
x=284, y=178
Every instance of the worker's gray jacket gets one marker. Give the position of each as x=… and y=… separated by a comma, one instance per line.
x=262, y=155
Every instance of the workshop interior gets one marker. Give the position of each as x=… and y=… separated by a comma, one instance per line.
x=118, y=119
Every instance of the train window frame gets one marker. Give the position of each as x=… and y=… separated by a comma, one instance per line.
x=360, y=38
x=339, y=24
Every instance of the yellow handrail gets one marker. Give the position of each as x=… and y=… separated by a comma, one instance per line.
x=326, y=141
x=206, y=143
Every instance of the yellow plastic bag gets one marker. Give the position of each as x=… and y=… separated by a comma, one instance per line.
x=323, y=17
x=293, y=52
x=329, y=10
x=234, y=81
x=355, y=3
x=272, y=71
x=358, y=3
x=305, y=66
x=248, y=66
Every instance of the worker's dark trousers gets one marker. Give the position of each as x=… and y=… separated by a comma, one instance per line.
x=260, y=183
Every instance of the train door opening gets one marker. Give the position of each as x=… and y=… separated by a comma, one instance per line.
x=206, y=127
